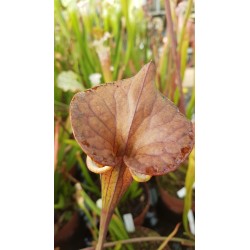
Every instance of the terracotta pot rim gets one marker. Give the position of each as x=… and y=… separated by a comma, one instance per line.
x=174, y=203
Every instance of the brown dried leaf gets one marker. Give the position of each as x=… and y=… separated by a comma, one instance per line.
x=130, y=121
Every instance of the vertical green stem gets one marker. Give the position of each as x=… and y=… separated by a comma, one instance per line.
x=187, y=14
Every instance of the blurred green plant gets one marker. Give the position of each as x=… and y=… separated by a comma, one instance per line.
x=115, y=40
x=133, y=192
x=188, y=200
x=99, y=37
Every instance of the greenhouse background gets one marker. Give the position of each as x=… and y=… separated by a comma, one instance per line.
x=97, y=42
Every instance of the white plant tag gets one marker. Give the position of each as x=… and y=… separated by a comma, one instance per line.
x=99, y=203
x=190, y=216
x=129, y=222
x=181, y=193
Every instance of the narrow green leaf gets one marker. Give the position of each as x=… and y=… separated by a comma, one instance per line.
x=86, y=174
x=190, y=178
